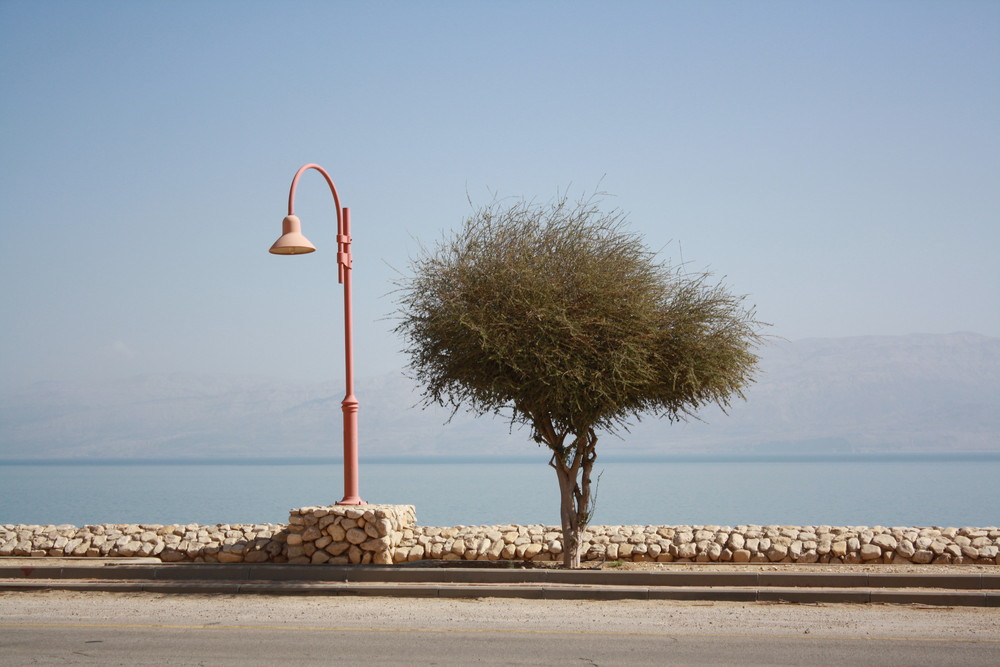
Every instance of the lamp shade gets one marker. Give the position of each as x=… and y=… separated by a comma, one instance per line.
x=292, y=242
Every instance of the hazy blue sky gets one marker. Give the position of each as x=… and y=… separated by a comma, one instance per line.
x=838, y=161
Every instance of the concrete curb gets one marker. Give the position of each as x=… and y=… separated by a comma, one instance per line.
x=964, y=598
x=974, y=581
x=973, y=589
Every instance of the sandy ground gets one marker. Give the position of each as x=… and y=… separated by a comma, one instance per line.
x=618, y=617
x=805, y=567
x=623, y=566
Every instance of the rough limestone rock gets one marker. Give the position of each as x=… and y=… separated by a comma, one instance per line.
x=870, y=552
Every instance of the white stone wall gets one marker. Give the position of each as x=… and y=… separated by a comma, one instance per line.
x=740, y=544
x=383, y=534
x=221, y=543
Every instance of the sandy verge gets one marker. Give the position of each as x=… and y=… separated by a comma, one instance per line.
x=626, y=566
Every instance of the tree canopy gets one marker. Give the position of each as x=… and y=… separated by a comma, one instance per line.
x=559, y=317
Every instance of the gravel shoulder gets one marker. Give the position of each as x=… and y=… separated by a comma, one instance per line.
x=510, y=615
x=910, y=568
x=625, y=566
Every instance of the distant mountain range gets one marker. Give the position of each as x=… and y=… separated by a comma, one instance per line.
x=878, y=394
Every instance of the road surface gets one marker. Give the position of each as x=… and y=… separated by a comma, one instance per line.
x=144, y=628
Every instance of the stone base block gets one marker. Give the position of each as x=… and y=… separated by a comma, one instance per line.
x=361, y=534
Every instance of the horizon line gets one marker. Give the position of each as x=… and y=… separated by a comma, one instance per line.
x=467, y=460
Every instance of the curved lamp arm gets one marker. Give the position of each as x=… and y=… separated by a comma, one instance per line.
x=329, y=181
x=293, y=242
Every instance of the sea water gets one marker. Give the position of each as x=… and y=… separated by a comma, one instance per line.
x=888, y=491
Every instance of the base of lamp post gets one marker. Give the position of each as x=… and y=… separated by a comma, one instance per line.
x=351, y=492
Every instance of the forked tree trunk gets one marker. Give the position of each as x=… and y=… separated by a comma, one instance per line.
x=573, y=465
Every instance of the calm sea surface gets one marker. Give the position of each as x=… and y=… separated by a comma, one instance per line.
x=894, y=492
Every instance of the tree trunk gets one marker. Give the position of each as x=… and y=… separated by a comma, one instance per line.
x=573, y=465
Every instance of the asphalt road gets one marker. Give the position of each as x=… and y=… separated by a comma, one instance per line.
x=99, y=628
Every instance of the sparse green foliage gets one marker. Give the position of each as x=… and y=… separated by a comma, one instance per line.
x=560, y=318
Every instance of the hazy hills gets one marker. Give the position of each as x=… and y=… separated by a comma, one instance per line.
x=918, y=393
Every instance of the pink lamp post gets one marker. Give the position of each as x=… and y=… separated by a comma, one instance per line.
x=292, y=242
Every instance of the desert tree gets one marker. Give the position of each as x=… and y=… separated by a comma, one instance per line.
x=559, y=317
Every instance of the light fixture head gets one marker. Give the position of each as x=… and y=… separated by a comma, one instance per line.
x=292, y=242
